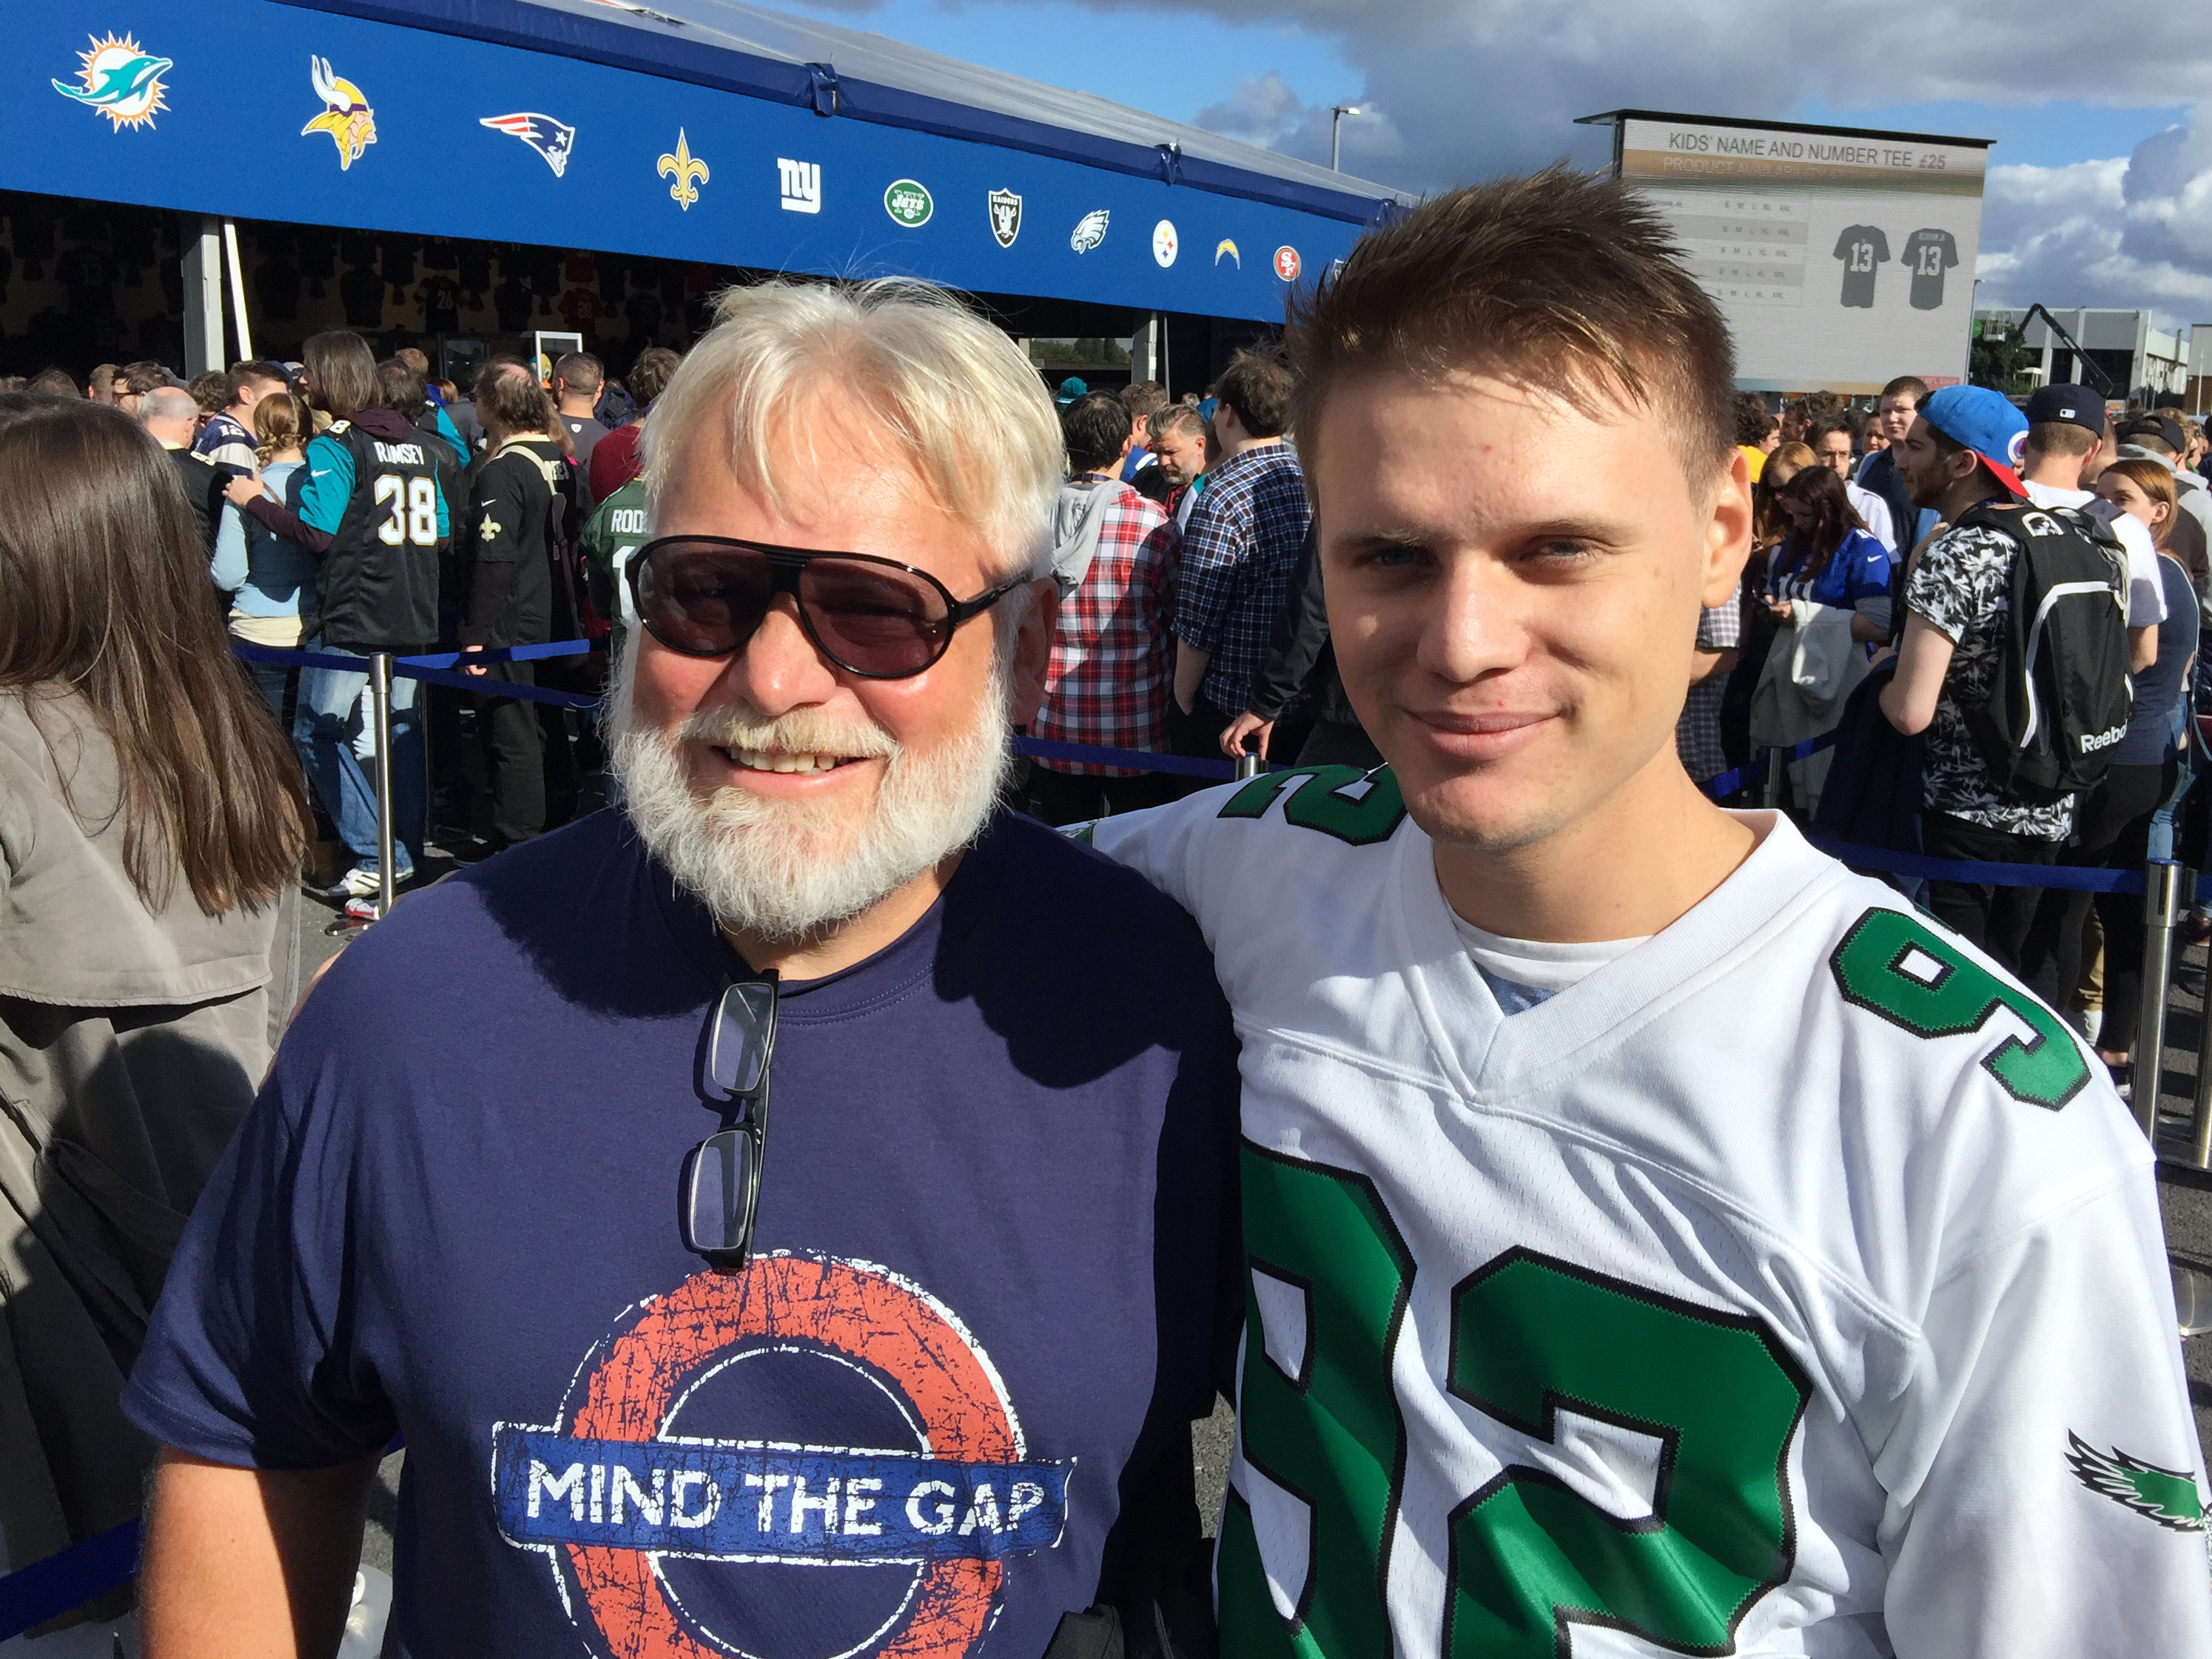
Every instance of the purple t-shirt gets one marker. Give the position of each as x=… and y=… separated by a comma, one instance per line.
x=999, y=1242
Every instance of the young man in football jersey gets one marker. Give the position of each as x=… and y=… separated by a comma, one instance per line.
x=1659, y=1239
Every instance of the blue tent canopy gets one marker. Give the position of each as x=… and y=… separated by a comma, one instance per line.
x=707, y=130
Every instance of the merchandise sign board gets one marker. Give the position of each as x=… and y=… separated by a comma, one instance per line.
x=1841, y=258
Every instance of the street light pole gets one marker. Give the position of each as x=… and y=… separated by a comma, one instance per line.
x=1336, y=114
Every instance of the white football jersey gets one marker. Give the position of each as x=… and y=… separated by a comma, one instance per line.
x=1794, y=1283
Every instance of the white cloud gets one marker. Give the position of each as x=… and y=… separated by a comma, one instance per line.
x=2127, y=232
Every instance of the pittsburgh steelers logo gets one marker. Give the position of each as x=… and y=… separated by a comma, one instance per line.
x=640, y=1512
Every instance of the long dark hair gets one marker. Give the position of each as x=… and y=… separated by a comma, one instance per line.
x=1820, y=491
x=107, y=599
x=341, y=371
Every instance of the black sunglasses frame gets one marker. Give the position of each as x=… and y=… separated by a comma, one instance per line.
x=785, y=565
x=744, y=1111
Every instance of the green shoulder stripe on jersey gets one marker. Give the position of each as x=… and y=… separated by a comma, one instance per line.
x=1893, y=964
x=1321, y=802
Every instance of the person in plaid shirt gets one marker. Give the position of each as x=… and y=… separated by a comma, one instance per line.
x=1108, y=681
x=1238, y=551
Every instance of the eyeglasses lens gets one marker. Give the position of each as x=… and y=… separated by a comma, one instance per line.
x=737, y=1052
x=707, y=600
x=874, y=620
x=718, y=1190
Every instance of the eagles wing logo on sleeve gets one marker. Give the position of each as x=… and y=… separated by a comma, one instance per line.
x=2168, y=1496
x=644, y=1520
x=551, y=138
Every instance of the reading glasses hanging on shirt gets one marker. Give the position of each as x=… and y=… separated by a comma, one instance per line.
x=718, y=1194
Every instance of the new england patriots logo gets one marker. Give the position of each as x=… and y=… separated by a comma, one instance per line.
x=551, y=138
x=2168, y=1496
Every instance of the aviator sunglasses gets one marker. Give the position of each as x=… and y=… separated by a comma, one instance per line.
x=705, y=596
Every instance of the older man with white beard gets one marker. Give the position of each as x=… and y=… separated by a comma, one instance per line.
x=979, y=1266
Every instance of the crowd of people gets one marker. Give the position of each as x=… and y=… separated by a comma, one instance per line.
x=1861, y=572
x=1483, y=1020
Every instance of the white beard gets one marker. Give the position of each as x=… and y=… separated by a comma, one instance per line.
x=782, y=870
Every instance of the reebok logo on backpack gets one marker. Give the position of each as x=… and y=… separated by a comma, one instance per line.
x=2061, y=698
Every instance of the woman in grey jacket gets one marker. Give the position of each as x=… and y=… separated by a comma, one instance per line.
x=152, y=817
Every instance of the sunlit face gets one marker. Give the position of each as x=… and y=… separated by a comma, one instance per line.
x=1896, y=414
x=1513, y=592
x=800, y=773
x=1181, y=454
x=1833, y=451
x=2130, y=498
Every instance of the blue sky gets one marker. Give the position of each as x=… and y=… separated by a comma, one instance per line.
x=2103, y=202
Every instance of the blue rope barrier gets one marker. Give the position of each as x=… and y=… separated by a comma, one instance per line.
x=1754, y=770
x=1136, y=760
x=2069, y=877
x=68, y=1578
x=431, y=670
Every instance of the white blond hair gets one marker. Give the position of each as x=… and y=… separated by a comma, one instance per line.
x=930, y=371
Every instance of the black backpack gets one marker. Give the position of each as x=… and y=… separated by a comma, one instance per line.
x=2061, y=698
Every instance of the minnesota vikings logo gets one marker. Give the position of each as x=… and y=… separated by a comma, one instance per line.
x=121, y=80
x=347, y=117
x=551, y=138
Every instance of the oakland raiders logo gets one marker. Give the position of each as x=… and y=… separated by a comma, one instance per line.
x=1006, y=216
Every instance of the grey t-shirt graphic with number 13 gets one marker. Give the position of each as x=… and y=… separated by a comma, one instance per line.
x=1861, y=248
x=1927, y=255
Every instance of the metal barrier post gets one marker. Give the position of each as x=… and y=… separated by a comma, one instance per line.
x=2161, y=901
x=380, y=694
x=1248, y=766
x=1777, y=776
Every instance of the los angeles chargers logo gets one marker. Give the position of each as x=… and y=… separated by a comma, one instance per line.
x=620, y=1498
x=120, y=80
x=346, y=115
x=551, y=138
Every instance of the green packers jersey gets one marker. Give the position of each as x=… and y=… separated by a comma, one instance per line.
x=1793, y=1284
x=610, y=539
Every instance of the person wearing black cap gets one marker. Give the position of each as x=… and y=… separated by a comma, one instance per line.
x=2065, y=434
x=1959, y=454
x=2160, y=438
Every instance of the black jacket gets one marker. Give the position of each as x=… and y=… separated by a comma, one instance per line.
x=509, y=546
x=202, y=491
x=1299, y=656
x=1880, y=477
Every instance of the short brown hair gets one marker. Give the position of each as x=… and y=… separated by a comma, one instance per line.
x=1907, y=386
x=416, y=358
x=142, y=377
x=1559, y=281
x=1257, y=385
x=211, y=391
x=2062, y=438
x=650, y=374
x=580, y=372
x=1753, y=419
x=1144, y=398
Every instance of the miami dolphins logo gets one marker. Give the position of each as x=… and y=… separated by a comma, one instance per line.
x=346, y=115
x=121, y=80
x=2168, y=1496
x=644, y=1520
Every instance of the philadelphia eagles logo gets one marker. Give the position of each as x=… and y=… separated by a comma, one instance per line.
x=2166, y=1496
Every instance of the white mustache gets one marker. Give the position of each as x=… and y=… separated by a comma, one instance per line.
x=801, y=732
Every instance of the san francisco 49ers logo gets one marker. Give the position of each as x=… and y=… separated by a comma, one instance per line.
x=613, y=1490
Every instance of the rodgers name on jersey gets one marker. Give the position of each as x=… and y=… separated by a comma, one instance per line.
x=1793, y=1284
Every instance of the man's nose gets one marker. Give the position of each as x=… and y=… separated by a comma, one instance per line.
x=779, y=669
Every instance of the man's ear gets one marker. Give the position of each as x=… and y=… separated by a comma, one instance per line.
x=1033, y=638
x=1728, y=530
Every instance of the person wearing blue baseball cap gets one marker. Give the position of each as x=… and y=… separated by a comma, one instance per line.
x=1961, y=452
